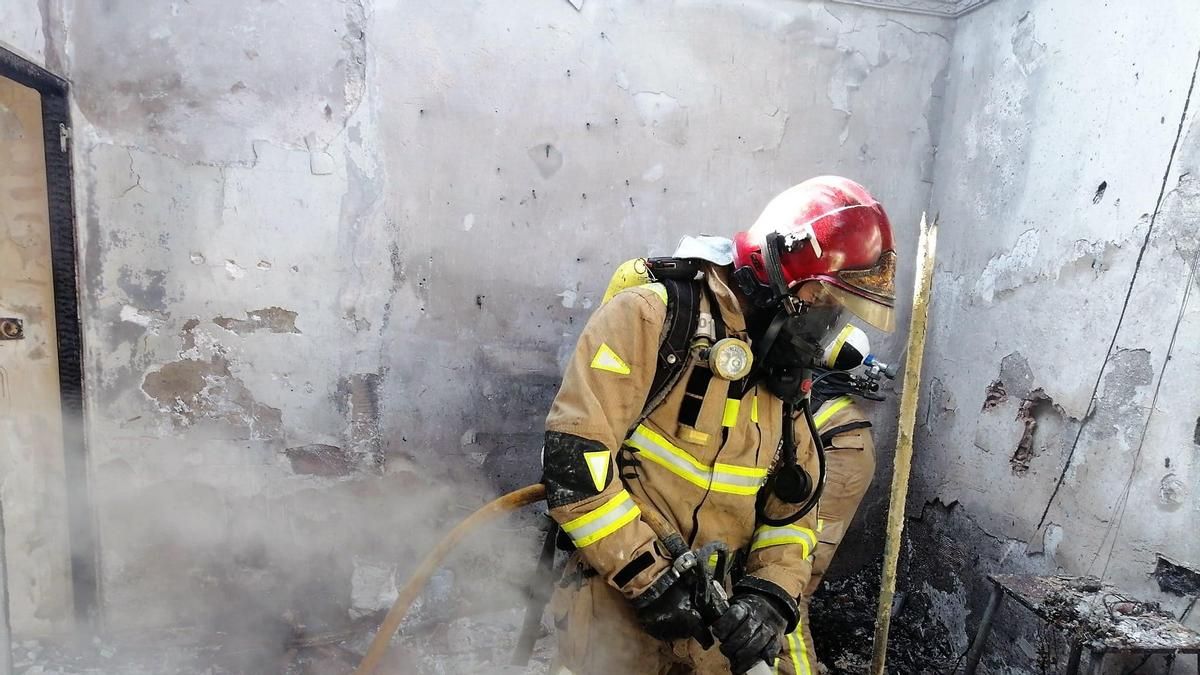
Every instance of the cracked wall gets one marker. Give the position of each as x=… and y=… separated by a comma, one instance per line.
x=333, y=254
x=1061, y=413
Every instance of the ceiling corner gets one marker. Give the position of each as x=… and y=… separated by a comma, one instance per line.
x=950, y=9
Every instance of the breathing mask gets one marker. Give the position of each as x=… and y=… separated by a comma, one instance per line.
x=791, y=344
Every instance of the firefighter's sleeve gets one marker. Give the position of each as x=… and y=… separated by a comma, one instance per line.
x=780, y=560
x=603, y=390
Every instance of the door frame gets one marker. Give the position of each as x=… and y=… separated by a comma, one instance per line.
x=56, y=126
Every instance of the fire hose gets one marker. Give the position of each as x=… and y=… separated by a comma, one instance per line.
x=685, y=561
x=500, y=506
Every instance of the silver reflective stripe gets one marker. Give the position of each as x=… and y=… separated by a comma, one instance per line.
x=776, y=538
x=678, y=464
x=790, y=534
x=721, y=478
x=600, y=523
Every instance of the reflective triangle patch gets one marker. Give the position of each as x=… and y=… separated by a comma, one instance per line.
x=597, y=463
x=607, y=359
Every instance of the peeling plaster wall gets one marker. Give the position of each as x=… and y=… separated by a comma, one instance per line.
x=334, y=253
x=1061, y=411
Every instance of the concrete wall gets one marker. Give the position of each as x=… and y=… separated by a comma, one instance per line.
x=1059, y=427
x=22, y=30
x=332, y=253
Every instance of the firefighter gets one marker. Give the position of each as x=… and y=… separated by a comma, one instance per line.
x=714, y=440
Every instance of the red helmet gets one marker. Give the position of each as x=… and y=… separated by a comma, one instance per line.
x=828, y=231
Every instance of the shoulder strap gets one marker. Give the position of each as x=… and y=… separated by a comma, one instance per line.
x=683, y=317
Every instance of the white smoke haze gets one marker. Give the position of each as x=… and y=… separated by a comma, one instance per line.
x=199, y=579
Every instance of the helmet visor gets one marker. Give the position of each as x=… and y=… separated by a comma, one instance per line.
x=821, y=294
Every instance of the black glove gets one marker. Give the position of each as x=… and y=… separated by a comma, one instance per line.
x=672, y=614
x=751, y=630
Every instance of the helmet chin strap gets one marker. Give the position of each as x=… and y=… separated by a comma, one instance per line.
x=771, y=248
x=763, y=343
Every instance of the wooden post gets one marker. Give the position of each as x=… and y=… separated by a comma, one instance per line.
x=909, y=398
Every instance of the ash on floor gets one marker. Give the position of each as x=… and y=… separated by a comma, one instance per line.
x=842, y=616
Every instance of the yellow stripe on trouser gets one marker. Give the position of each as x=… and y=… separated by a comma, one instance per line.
x=766, y=536
x=597, y=524
x=728, y=478
x=797, y=652
x=834, y=406
x=797, y=648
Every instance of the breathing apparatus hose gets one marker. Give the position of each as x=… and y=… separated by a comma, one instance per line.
x=789, y=459
x=762, y=347
x=819, y=446
x=391, y=623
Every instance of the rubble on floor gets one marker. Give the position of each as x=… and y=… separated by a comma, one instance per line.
x=842, y=616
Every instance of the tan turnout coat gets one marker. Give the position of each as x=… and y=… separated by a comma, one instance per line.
x=703, y=478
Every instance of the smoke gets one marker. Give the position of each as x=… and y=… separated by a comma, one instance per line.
x=215, y=556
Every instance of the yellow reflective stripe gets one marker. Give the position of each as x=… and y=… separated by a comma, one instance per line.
x=597, y=464
x=597, y=524
x=736, y=470
x=729, y=419
x=833, y=407
x=797, y=652
x=606, y=359
x=800, y=648
x=646, y=439
x=659, y=290
x=727, y=478
x=754, y=409
x=766, y=536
